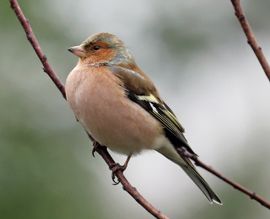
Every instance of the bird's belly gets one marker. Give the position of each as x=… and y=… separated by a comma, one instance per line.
x=112, y=119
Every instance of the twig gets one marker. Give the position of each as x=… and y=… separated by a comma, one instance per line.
x=102, y=150
x=34, y=42
x=237, y=186
x=251, y=39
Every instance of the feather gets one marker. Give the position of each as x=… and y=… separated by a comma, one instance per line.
x=141, y=90
x=172, y=128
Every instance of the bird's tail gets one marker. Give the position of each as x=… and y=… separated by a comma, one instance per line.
x=201, y=183
x=191, y=171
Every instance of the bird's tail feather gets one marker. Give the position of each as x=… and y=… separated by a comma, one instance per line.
x=191, y=171
x=201, y=183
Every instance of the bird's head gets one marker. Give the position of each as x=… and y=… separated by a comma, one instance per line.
x=103, y=48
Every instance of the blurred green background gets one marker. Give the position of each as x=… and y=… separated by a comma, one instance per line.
x=197, y=55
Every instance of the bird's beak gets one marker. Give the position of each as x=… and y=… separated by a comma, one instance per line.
x=78, y=51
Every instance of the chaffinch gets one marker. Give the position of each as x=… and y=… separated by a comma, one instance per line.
x=121, y=108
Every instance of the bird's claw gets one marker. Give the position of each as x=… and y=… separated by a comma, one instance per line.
x=95, y=146
x=114, y=168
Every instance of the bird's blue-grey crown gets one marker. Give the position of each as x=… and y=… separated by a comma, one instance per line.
x=123, y=54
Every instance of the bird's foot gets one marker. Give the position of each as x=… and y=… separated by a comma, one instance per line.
x=95, y=146
x=114, y=168
x=117, y=167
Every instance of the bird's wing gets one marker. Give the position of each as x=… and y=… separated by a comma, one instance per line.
x=142, y=91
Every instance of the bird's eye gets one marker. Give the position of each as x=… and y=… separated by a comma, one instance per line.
x=96, y=47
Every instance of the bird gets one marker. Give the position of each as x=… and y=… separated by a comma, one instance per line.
x=121, y=108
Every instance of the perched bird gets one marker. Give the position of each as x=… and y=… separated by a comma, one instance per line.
x=121, y=108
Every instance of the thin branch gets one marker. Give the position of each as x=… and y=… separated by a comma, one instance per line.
x=34, y=42
x=102, y=150
x=236, y=185
x=251, y=39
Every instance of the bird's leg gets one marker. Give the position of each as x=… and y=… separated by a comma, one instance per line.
x=116, y=166
x=95, y=146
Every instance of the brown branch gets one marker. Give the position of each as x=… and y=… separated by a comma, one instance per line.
x=236, y=185
x=102, y=150
x=251, y=39
x=34, y=42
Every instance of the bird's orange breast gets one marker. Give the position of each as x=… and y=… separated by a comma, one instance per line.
x=100, y=104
